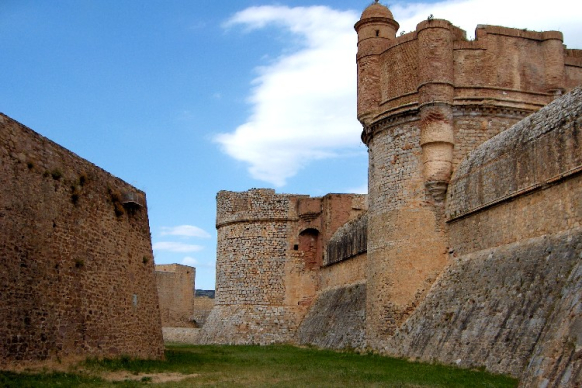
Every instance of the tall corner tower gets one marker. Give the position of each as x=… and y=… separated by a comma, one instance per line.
x=407, y=129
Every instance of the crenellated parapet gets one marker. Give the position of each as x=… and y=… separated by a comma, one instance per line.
x=434, y=76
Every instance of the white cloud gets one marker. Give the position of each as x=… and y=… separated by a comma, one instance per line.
x=193, y=262
x=184, y=231
x=176, y=247
x=304, y=101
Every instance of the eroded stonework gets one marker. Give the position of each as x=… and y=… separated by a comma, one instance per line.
x=469, y=251
x=76, y=261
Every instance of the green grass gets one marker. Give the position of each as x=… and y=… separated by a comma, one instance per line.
x=265, y=366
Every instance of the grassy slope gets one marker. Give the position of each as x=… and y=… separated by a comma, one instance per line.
x=281, y=366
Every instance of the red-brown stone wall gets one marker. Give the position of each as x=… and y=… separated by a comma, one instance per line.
x=76, y=264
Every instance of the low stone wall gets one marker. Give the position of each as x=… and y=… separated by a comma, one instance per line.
x=181, y=335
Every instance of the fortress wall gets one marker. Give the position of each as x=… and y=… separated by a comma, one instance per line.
x=336, y=318
x=399, y=74
x=498, y=307
x=270, y=249
x=175, y=284
x=76, y=268
x=510, y=301
x=473, y=126
x=573, y=64
x=349, y=241
x=344, y=273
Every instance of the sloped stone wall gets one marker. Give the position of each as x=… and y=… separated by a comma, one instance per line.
x=494, y=308
x=337, y=319
x=76, y=262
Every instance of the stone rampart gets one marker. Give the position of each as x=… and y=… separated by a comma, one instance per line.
x=510, y=299
x=76, y=268
x=176, y=284
x=336, y=319
x=426, y=99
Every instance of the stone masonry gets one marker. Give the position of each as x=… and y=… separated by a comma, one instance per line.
x=425, y=100
x=469, y=252
x=176, y=285
x=268, y=255
x=76, y=262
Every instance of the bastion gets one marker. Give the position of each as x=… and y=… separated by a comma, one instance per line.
x=76, y=262
x=469, y=251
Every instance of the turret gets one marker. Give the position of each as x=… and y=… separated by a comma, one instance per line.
x=375, y=30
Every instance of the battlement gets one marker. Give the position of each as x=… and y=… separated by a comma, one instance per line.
x=503, y=66
x=254, y=204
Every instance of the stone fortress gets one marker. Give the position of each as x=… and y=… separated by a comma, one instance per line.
x=468, y=247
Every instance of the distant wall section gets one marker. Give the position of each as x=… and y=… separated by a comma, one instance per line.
x=270, y=249
x=175, y=284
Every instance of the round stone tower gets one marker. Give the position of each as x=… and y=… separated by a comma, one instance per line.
x=406, y=242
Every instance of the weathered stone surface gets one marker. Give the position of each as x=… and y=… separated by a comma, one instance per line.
x=536, y=152
x=349, y=241
x=337, y=319
x=268, y=256
x=493, y=308
x=202, y=307
x=506, y=229
x=176, y=284
x=76, y=262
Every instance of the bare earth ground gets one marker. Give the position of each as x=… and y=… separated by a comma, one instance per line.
x=155, y=377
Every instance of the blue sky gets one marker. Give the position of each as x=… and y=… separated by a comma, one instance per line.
x=185, y=98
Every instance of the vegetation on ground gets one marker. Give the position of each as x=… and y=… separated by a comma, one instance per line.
x=257, y=366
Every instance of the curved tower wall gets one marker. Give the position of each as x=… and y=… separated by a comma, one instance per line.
x=440, y=96
x=269, y=253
